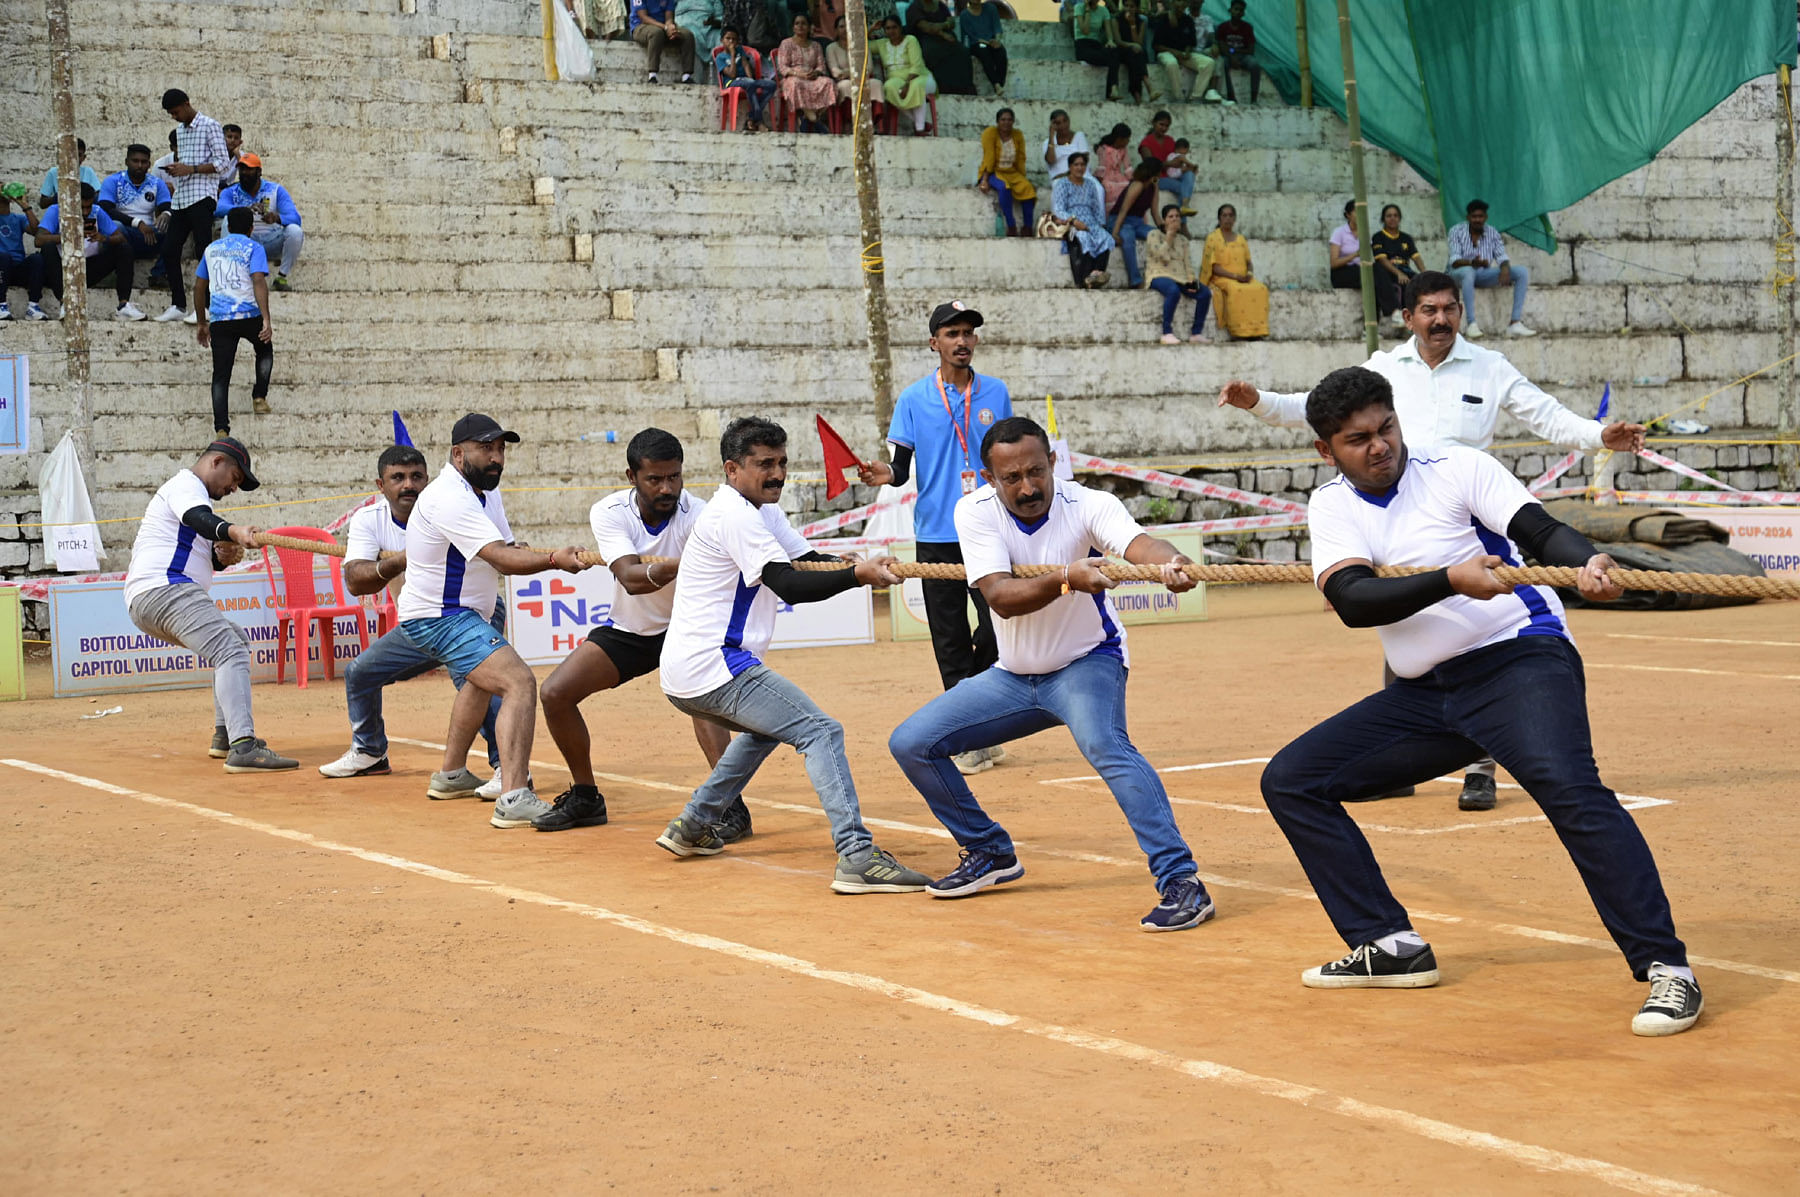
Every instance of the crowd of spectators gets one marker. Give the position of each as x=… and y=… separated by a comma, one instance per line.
x=150, y=210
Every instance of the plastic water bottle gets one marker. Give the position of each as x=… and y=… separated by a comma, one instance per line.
x=610, y=436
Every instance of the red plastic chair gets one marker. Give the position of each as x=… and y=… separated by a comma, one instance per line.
x=298, y=609
x=729, y=96
x=387, y=614
x=891, y=118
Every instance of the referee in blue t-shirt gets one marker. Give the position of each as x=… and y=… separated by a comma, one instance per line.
x=939, y=422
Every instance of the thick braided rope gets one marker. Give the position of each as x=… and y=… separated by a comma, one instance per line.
x=1731, y=585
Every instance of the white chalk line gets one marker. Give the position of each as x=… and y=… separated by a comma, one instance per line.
x=1311, y=1096
x=1259, y=887
x=1774, y=677
x=1703, y=640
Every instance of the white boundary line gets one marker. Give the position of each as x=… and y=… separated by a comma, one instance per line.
x=1774, y=677
x=1259, y=887
x=1703, y=640
x=1527, y=1154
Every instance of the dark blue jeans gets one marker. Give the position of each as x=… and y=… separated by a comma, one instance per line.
x=1522, y=702
x=395, y=658
x=1172, y=292
x=1086, y=696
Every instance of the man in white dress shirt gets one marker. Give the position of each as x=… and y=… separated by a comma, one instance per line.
x=738, y=561
x=652, y=518
x=1485, y=666
x=1449, y=392
x=168, y=592
x=1063, y=662
x=458, y=543
x=378, y=528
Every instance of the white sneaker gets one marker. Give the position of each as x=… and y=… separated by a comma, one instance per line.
x=192, y=317
x=1517, y=329
x=492, y=788
x=518, y=809
x=128, y=311
x=1212, y=96
x=356, y=764
x=1471, y=331
x=1170, y=339
x=174, y=313
x=35, y=312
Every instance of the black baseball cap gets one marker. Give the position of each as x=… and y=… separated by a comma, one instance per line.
x=952, y=312
x=240, y=456
x=477, y=427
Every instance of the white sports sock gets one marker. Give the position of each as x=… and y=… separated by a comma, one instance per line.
x=1679, y=970
x=1391, y=944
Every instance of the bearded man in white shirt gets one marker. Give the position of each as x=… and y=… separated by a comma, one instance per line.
x=1449, y=392
x=1484, y=665
x=1062, y=662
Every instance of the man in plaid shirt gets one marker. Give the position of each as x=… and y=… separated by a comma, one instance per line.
x=200, y=160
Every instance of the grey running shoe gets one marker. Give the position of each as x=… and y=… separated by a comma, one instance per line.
x=876, y=873
x=220, y=748
x=255, y=756
x=734, y=825
x=972, y=762
x=683, y=840
x=460, y=784
x=517, y=809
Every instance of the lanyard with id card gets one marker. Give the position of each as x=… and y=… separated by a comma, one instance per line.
x=965, y=431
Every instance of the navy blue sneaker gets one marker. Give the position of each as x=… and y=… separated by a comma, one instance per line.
x=977, y=871
x=1185, y=903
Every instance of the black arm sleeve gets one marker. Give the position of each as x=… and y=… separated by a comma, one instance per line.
x=902, y=465
x=1547, y=538
x=815, y=555
x=806, y=586
x=1363, y=600
x=207, y=523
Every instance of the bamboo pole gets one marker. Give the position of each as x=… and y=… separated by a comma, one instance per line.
x=73, y=229
x=868, y=209
x=1353, y=114
x=1787, y=455
x=1305, y=51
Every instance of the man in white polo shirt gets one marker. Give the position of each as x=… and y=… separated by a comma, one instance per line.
x=168, y=592
x=1483, y=666
x=651, y=518
x=457, y=546
x=1449, y=392
x=376, y=529
x=1063, y=662
x=738, y=561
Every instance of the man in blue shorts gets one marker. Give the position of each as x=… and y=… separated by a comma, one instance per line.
x=456, y=549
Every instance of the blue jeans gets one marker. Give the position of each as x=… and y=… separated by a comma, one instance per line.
x=771, y=711
x=757, y=91
x=1132, y=230
x=1469, y=278
x=1172, y=291
x=1003, y=194
x=1181, y=187
x=395, y=658
x=1086, y=696
x=1522, y=702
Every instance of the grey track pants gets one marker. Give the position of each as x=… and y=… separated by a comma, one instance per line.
x=185, y=614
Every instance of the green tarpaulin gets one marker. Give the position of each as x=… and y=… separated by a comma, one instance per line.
x=1528, y=104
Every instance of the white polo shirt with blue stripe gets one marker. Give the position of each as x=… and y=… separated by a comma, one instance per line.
x=1079, y=523
x=1447, y=507
x=620, y=530
x=724, y=617
x=167, y=552
x=449, y=526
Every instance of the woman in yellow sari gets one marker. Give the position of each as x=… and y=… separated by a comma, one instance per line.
x=1002, y=173
x=1240, y=300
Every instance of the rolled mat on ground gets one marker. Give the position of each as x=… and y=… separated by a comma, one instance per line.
x=1666, y=541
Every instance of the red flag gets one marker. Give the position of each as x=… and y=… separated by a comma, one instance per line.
x=838, y=458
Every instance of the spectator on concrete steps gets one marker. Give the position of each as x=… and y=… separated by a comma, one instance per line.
x=1344, y=250
x=1114, y=166
x=1080, y=201
x=234, y=146
x=1175, y=39
x=1178, y=172
x=1096, y=43
x=47, y=193
x=1130, y=215
x=276, y=222
x=1396, y=258
x=200, y=160
x=735, y=69
x=979, y=24
x=1134, y=53
x=932, y=22
x=1237, y=52
x=1002, y=172
x=1239, y=297
x=908, y=83
x=806, y=86
x=610, y=19
x=1478, y=259
x=18, y=268
x=139, y=202
x=703, y=19
x=1169, y=271
x=105, y=250
x=1061, y=145
x=653, y=27
x=843, y=73
x=231, y=295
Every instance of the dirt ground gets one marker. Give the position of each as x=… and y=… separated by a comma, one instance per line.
x=289, y=984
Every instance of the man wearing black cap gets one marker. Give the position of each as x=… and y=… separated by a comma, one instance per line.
x=939, y=421
x=167, y=592
x=458, y=543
